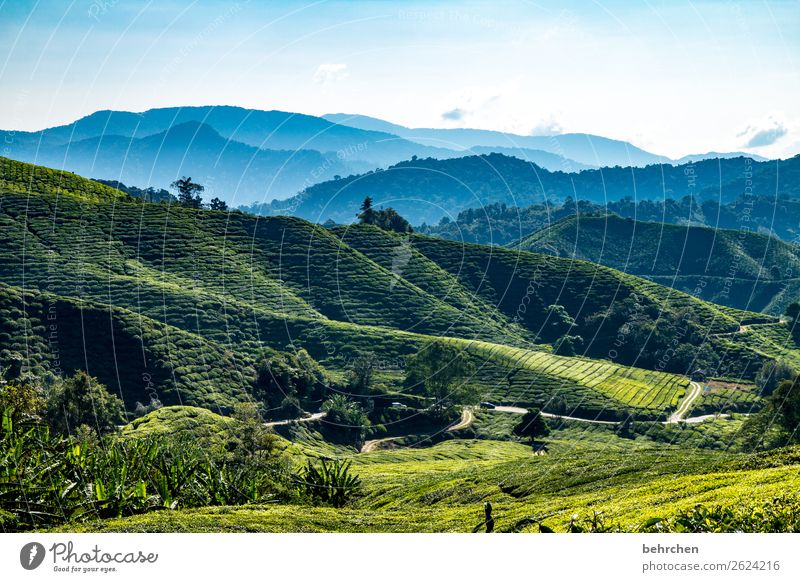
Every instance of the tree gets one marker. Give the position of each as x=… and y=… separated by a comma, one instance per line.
x=188, y=192
x=793, y=313
x=784, y=405
x=778, y=423
x=390, y=219
x=568, y=345
x=532, y=425
x=82, y=399
x=21, y=400
x=217, y=204
x=367, y=214
x=773, y=373
x=361, y=371
x=345, y=419
x=140, y=409
x=440, y=369
x=248, y=438
x=558, y=322
x=287, y=382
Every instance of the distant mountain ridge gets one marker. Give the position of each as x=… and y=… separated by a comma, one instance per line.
x=229, y=169
x=227, y=144
x=586, y=150
x=428, y=190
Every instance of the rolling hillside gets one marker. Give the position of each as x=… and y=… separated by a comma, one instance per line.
x=737, y=268
x=199, y=295
x=429, y=190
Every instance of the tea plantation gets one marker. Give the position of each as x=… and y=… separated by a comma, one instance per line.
x=201, y=312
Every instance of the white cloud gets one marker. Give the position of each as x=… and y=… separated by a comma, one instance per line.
x=329, y=73
x=763, y=133
x=549, y=126
x=454, y=114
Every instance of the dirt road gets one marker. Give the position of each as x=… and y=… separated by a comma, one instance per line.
x=315, y=416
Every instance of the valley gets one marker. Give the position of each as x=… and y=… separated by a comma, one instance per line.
x=428, y=375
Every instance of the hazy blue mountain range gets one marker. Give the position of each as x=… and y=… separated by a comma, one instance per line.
x=582, y=149
x=250, y=156
x=426, y=191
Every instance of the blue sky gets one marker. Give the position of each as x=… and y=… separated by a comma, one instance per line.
x=672, y=77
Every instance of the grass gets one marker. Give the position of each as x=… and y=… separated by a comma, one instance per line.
x=442, y=488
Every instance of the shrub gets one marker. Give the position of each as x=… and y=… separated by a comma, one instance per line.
x=345, y=420
x=780, y=514
x=329, y=482
x=82, y=399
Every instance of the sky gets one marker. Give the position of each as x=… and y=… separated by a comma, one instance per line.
x=674, y=78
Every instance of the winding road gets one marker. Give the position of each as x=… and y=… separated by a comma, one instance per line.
x=370, y=446
x=678, y=416
x=311, y=418
x=467, y=418
x=686, y=404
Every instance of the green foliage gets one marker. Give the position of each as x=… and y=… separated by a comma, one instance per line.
x=47, y=479
x=780, y=514
x=22, y=178
x=532, y=425
x=778, y=423
x=82, y=399
x=387, y=219
x=475, y=182
x=558, y=322
x=442, y=369
x=441, y=488
x=289, y=381
x=771, y=374
x=345, y=420
x=361, y=371
x=22, y=401
x=188, y=192
x=209, y=430
x=691, y=258
x=217, y=204
x=202, y=295
x=250, y=441
x=149, y=194
x=330, y=482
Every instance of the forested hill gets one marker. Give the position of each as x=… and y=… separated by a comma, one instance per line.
x=500, y=224
x=427, y=190
x=737, y=268
x=191, y=299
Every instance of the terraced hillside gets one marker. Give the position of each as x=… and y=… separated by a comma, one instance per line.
x=442, y=488
x=737, y=268
x=183, y=302
x=573, y=386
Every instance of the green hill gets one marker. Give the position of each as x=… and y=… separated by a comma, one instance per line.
x=737, y=268
x=180, y=303
x=429, y=190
